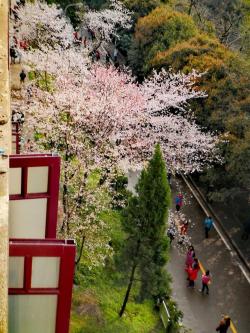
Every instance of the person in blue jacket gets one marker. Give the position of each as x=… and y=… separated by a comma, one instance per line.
x=208, y=223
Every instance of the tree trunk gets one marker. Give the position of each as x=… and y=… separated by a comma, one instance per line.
x=65, y=193
x=81, y=251
x=65, y=189
x=131, y=280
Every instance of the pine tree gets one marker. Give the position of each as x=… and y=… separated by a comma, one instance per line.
x=145, y=222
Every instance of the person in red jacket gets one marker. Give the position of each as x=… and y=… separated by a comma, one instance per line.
x=192, y=274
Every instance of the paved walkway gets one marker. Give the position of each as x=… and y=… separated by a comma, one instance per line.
x=229, y=291
x=234, y=216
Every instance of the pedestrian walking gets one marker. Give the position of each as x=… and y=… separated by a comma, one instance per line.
x=192, y=275
x=196, y=264
x=184, y=228
x=75, y=36
x=97, y=55
x=208, y=223
x=85, y=42
x=13, y=55
x=205, y=280
x=190, y=256
x=115, y=54
x=171, y=234
x=23, y=44
x=224, y=325
x=22, y=76
x=178, y=202
x=91, y=33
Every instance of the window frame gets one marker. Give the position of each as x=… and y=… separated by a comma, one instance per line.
x=66, y=250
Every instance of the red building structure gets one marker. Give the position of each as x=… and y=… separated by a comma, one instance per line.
x=34, y=190
x=40, y=285
x=15, y=138
x=41, y=268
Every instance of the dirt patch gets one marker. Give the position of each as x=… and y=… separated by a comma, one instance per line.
x=86, y=304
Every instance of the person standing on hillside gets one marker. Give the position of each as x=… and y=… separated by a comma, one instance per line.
x=224, y=325
x=184, y=228
x=208, y=223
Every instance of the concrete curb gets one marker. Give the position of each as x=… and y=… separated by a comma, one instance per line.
x=206, y=207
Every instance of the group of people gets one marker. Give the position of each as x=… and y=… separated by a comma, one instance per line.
x=17, y=45
x=192, y=267
x=208, y=222
x=14, y=9
x=95, y=53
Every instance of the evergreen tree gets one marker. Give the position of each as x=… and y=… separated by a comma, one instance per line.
x=145, y=220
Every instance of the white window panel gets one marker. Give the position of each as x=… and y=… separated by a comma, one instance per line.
x=32, y=313
x=45, y=272
x=16, y=271
x=38, y=179
x=27, y=218
x=15, y=180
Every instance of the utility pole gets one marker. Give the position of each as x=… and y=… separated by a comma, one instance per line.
x=5, y=147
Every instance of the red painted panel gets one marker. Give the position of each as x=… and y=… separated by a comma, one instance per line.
x=48, y=248
x=39, y=160
x=16, y=133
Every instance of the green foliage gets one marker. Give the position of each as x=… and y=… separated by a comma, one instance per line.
x=201, y=52
x=43, y=80
x=161, y=29
x=100, y=292
x=228, y=20
x=73, y=7
x=141, y=7
x=245, y=29
x=145, y=223
x=226, y=109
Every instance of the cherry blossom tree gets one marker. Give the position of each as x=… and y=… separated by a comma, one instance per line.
x=96, y=117
x=52, y=124
x=116, y=109
x=166, y=89
x=105, y=23
x=42, y=25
